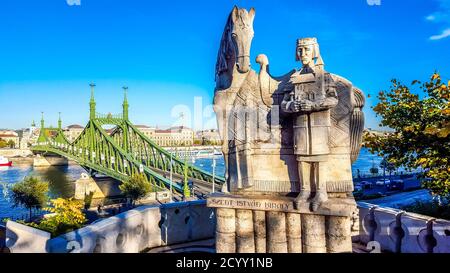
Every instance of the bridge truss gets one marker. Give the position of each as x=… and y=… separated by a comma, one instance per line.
x=122, y=153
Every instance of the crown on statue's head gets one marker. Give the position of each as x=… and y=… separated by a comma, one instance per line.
x=307, y=41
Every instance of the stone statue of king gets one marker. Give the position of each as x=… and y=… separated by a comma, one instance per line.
x=310, y=96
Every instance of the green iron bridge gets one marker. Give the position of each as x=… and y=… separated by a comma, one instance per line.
x=122, y=153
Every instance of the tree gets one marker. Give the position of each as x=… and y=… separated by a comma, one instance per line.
x=3, y=143
x=67, y=216
x=30, y=193
x=390, y=168
x=198, y=142
x=373, y=170
x=11, y=143
x=136, y=187
x=421, y=130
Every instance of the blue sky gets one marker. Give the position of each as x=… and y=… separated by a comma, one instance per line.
x=165, y=52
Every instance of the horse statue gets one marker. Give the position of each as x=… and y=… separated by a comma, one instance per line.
x=247, y=118
x=257, y=135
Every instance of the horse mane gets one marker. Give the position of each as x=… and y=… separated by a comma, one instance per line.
x=222, y=56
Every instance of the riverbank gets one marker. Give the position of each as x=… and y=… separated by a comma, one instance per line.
x=22, y=161
x=29, y=160
x=10, y=153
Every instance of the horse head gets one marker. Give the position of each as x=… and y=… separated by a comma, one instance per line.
x=242, y=35
x=236, y=42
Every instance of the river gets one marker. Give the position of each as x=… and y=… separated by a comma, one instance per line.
x=61, y=179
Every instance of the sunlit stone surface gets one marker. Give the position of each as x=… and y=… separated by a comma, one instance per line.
x=288, y=144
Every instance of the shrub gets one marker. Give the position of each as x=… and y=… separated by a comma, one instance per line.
x=30, y=193
x=136, y=187
x=433, y=209
x=67, y=216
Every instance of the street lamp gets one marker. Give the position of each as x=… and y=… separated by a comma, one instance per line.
x=213, y=170
x=171, y=181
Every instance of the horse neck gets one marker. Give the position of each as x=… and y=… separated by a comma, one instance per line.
x=231, y=80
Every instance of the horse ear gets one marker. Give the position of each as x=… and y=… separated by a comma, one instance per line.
x=235, y=13
x=252, y=12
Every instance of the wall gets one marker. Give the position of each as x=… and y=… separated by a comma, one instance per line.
x=148, y=227
x=133, y=231
x=2, y=238
x=15, y=152
x=41, y=161
x=402, y=232
x=23, y=239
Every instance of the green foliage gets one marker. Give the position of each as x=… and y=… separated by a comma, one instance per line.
x=198, y=142
x=3, y=143
x=421, y=130
x=30, y=193
x=11, y=143
x=88, y=200
x=67, y=215
x=433, y=209
x=136, y=187
x=374, y=170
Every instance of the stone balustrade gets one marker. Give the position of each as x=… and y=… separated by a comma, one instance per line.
x=398, y=231
x=2, y=238
x=140, y=229
x=148, y=227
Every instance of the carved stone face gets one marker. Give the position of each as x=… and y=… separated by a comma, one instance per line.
x=306, y=54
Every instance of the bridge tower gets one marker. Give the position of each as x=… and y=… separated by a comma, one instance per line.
x=125, y=104
x=92, y=115
x=125, y=128
x=42, y=137
x=59, y=121
x=92, y=103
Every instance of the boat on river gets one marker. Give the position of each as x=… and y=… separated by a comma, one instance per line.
x=4, y=162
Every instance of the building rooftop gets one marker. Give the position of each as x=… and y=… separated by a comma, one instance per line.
x=7, y=135
x=179, y=128
x=75, y=126
x=143, y=126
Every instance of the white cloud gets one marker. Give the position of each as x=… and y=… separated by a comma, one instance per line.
x=73, y=2
x=444, y=34
x=430, y=18
x=441, y=16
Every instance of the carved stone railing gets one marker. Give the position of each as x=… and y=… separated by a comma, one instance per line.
x=148, y=227
x=137, y=230
x=392, y=230
x=2, y=238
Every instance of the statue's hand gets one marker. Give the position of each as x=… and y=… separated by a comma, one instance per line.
x=295, y=106
x=306, y=105
x=326, y=104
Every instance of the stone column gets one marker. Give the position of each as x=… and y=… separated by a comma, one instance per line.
x=226, y=231
x=259, y=226
x=339, y=237
x=245, y=240
x=276, y=232
x=294, y=232
x=313, y=233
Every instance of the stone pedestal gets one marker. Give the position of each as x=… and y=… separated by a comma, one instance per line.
x=47, y=161
x=85, y=185
x=269, y=224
